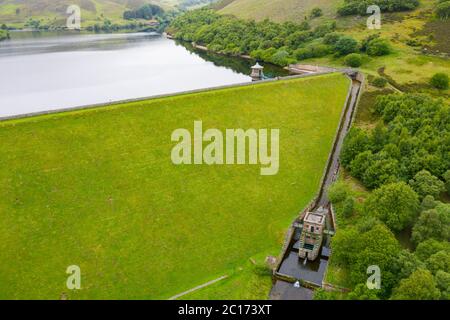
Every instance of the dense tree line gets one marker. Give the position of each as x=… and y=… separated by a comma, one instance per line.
x=414, y=135
x=277, y=43
x=147, y=12
x=406, y=160
x=421, y=274
x=268, y=41
x=406, y=275
x=353, y=7
x=108, y=26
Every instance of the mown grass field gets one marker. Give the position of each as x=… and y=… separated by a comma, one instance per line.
x=97, y=189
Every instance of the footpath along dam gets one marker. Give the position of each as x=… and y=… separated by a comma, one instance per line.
x=303, y=262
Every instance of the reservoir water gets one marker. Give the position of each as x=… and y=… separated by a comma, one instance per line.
x=50, y=71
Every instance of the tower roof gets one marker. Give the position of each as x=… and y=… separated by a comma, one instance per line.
x=257, y=66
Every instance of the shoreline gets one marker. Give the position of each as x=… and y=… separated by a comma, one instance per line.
x=203, y=48
x=80, y=32
x=90, y=107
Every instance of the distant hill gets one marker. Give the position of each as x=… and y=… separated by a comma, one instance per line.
x=277, y=10
x=17, y=12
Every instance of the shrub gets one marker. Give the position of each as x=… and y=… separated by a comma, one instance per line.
x=348, y=9
x=429, y=247
x=367, y=223
x=395, y=204
x=357, y=141
x=377, y=246
x=413, y=43
x=433, y=224
x=428, y=203
x=424, y=183
x=365, y=42
x=262, y=270
x=316, y=12
x=406, y=263
x=443, y=283
x=312, y=51
x=362, y=292
x=305, y=26
x=378, y=47
x=379, y=82
x=438, y=261
x=281, y=58
x=379, y=170
x=264, y=55
x=337, y=192
x=331, y=38
x=322, y=294
x=447, y=181
x=440, y=81
x=4, y=34
x=349, y=207
x=353, y=60
x=295, y=40
x=443, y=10
x=322, y=30
x=346, y=45
x=419, y=286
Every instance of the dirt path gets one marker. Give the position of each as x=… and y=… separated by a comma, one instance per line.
x=283, y=289
x=331, y=175
x=198, y=287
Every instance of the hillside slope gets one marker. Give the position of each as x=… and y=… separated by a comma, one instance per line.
x=410, y=33
x=97, y=189
x=278, y=10
x=19, y=11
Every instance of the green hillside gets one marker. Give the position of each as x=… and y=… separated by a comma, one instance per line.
x=417, y=40
x=16, y=12
x=278, y=10
x=97, y=188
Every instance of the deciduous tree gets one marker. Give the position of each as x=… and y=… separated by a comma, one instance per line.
x=395, y=204
x=433, y=224
x=419, y=286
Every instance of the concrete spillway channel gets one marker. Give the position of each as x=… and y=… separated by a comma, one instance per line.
x=295, y=278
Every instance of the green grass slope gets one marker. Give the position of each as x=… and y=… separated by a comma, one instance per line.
x=97, y=189
x=17, y=12
x=407, y=66
x=279, y=10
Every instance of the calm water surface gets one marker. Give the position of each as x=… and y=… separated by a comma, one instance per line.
x=44, y=71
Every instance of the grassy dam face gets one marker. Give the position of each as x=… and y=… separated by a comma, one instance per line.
x=97, y=188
